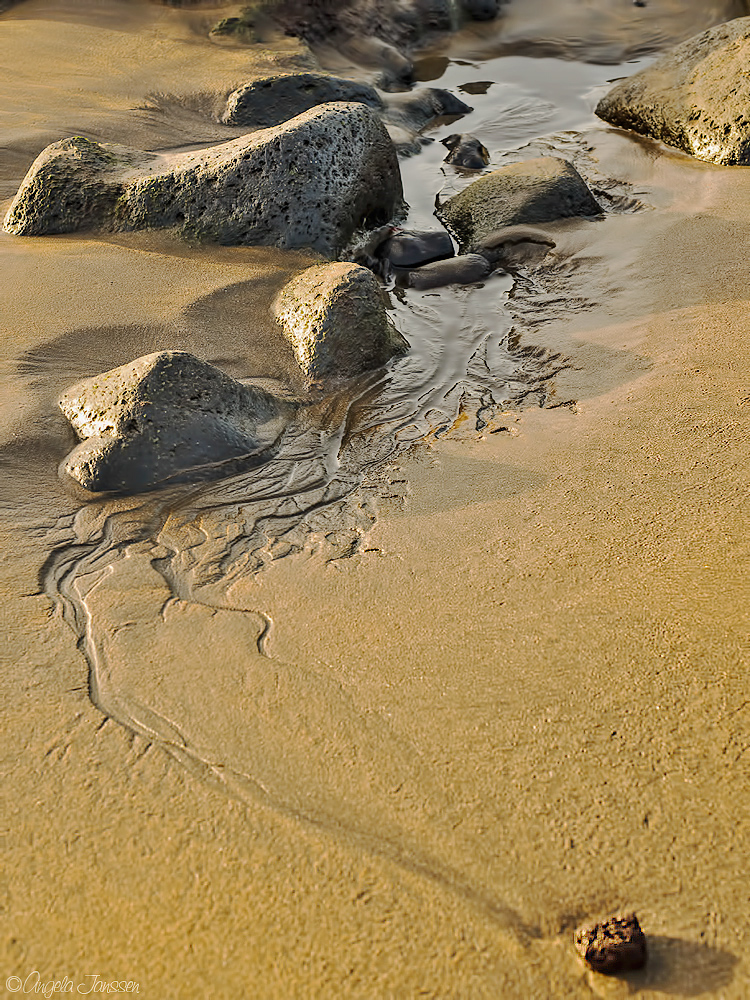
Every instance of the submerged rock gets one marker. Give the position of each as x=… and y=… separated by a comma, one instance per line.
x=307, y=183
x=413, y=248
x=167, y=417
x=515, y=245
x=335, y=317
x=416, y=109
x=461, y=270
x=481, y=10
x=275, y=99
x=539, y=190
x=614, y=945
x=696, y=97
x=466, y=151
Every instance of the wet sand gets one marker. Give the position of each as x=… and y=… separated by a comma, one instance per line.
x=467, y=665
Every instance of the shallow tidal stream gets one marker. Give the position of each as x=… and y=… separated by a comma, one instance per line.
x=340, y=671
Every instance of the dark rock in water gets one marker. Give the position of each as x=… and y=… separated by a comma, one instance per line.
x=335, y=317
x=695, y=97
x=409, y=248
x=614, y=945
x=481, y=10
x=514, y=245
x=366, y=250
x=168, y=417
x=539, y=190
x=417, y=108
x=466, y=151
x=462, y=270
x=275, y=99
x=307, y=183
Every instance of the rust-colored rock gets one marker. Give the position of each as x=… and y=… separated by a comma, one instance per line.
x=614, y=945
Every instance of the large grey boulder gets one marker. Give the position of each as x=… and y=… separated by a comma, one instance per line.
x=274, y=99
x=307, y=183
x=696, y=97
x=334, y=316
x=539, y=190
x=168, y=417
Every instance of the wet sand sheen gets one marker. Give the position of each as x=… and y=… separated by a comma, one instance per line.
x=493, y=687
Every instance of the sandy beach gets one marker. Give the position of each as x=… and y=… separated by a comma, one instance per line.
x=464, y=668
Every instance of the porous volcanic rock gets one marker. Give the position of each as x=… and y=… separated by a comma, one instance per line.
x=275, y=99
x=168, y=417
x=307, y=183
x=335, y=317
x=614, y=945
x=696, y=97
x=539, y=190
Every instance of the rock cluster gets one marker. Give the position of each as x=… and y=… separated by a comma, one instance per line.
x=274, y=99
x=539, y=190
x=311, y=180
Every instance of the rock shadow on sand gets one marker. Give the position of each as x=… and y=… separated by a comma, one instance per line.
x=681, y=968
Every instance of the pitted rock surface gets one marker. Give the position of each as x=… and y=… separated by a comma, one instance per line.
x=614, y=945
x=335, y=317
x=695, y=97
x=167, y=417
x=307, y=183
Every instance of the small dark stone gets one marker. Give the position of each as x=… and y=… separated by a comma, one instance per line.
x=413, y=249
x=614, y=945
x=481, y=10
x=466, y=151
x=463, y=270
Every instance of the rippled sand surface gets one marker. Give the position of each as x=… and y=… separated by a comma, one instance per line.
x=466, y=663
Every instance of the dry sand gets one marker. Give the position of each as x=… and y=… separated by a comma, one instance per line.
x=405, y=766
